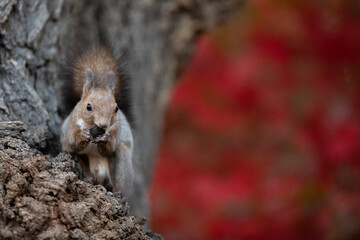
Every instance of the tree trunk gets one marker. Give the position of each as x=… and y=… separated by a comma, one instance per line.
x=159, y=36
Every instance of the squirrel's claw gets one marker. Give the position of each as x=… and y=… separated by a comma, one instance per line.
x=85, y=134
x=102, y=139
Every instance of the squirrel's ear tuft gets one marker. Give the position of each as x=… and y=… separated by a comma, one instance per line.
x=111, y=80
x=89, y=83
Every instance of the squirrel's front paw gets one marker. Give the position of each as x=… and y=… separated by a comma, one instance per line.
x=85, y=134
x=102, y=139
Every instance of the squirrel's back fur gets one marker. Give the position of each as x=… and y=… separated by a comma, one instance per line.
x=100, y=60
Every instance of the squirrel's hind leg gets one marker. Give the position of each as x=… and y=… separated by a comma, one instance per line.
x=121, y=170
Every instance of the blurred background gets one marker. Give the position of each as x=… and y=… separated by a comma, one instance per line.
x=262, y=133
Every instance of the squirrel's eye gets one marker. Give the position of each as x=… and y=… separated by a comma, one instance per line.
x=89, y=107
x=116, y=109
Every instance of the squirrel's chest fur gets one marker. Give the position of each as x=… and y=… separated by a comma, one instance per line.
x=98, y=164
x=91, y=150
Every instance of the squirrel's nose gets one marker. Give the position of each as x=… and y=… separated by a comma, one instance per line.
x=102, y=123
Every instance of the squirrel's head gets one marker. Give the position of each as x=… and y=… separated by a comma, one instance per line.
x=98, y=105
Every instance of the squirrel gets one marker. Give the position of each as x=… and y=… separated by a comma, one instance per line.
x=97, y=129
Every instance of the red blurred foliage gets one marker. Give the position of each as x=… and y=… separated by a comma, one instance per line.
x=262, y=135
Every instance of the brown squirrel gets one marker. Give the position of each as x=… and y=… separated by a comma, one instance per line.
x=97, y=130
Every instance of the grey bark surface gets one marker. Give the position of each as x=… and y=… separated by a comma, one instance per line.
x=159, y=36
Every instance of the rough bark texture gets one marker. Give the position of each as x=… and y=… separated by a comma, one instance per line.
x=43, y=198
x=159, y=36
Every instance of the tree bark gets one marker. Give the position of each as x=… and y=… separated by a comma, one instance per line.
x=159, y=36
x=42, y=197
